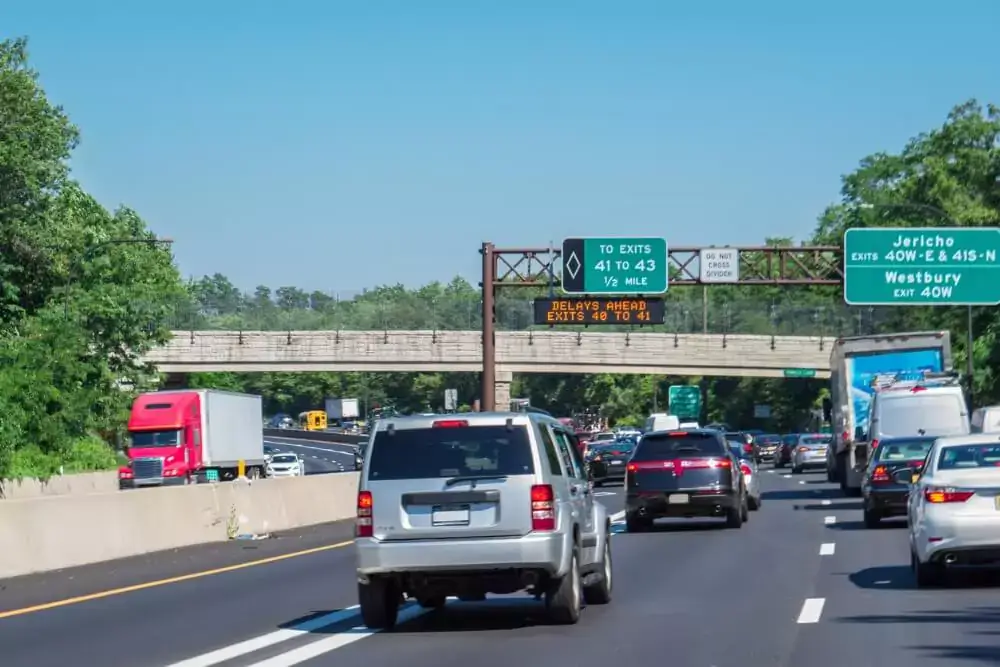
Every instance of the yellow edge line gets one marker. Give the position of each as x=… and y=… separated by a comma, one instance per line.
x=164, y=582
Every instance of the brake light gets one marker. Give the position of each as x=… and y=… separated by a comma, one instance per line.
x=450, y=423
x=748, y=448
x=363, y=524
x=918, y=388
x=632, y=467
x=845, y=437
x=881, y=474
x=676, y=434
x=745, y=469
x=543, y=509
x=679, y=465
x=946, y=495
x=803, y=449
x=874, y=444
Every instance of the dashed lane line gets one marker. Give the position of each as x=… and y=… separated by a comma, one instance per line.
x=812, y=610
x=829, y=520
x=825, y=502
x=827, y=549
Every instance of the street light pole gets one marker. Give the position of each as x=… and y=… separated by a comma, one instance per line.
x=970, y=366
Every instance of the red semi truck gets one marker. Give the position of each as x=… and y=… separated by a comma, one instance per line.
x=191, y=436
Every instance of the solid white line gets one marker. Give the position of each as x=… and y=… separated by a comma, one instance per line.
x=812, y=609
x=333, y=642
x=825, y=502
x=827, y=549
x=318, y=449
x=829, y=520
x=227, y=653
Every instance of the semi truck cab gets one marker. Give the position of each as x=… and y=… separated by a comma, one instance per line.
x=164, y=446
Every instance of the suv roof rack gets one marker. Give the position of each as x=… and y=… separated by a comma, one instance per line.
x=929, y=379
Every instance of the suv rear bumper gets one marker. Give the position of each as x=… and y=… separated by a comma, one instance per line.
x=699, y=504
x=548, y=552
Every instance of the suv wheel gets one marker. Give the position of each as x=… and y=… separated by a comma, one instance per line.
x=927, y=574
x=734, y=515
x=872, y=518
x=600, y=593
x=435, y=602
x=563, y=599
x=379, y=601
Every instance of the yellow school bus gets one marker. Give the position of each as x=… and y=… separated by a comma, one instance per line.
x=314, y=420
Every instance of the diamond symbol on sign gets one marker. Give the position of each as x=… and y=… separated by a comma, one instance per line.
x=572, y=265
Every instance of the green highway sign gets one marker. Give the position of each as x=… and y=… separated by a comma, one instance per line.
x=799, y=372
x=922, y=266
x=613, y=266
x=684, y=401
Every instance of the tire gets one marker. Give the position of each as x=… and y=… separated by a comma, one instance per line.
x=435, y=602
x=796, y=470
x=753, y=503
x=379, y=603
x=830, y=477
x=635, y=524
x=927, y=574
x=734, y=516
x=600, y=593
x=872, y=518
x=745, y=508
x=563, y=600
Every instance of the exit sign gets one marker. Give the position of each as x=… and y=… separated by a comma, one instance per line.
x=612, y=266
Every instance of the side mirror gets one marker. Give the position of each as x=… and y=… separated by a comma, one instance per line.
x=859, y=434
x=906, y=476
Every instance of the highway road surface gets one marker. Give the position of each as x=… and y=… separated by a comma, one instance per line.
x=801, y=585
x=320, y=457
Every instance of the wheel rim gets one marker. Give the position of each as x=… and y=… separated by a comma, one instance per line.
x=607, y=562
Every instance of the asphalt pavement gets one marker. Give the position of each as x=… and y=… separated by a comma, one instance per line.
x=802, y=584
x=320, y=457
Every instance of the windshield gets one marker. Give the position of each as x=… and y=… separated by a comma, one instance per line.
x=738, y=450
x=424, y=453
x=660, y=447
x=961, y=457
x=768, y=439
x=284, y=458
x=603, y=437
x=904, y=450
x=142, y=439
x=815, y=440
x=922, y=414
x=617, y=446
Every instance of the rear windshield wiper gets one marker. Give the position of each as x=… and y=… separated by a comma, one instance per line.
x=472, y=478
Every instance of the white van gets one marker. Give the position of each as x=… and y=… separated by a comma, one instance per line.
x=661, y=421
x=918, y=408
x=986, y=420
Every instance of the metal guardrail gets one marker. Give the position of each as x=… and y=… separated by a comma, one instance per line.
x=322, y=436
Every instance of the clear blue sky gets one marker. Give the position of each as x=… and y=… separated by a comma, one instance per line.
x=338, y=145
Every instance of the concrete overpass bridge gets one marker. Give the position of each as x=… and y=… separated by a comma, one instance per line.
x=516, y=352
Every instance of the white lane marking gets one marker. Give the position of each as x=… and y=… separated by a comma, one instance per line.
x=318, y=449
x=617, y=516
x=802, y=481
x=829, y=520
x=333, y=642
x=787, y=476
x=771, y=471
x=812, y=609
x=825, y=502
x=227, y=653
x=600, y=494
x=827, y=549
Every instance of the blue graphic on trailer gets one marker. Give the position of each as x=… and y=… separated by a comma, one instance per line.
x=905, y=365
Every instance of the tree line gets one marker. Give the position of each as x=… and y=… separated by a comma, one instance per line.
x=85, y=291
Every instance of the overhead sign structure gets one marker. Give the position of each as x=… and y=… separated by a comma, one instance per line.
x=611, y=266
x=599, y=310
x=684, y=401
x=719, y=265
x=922, y=266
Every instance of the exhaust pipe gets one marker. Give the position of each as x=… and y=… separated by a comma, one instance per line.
x=950, y=559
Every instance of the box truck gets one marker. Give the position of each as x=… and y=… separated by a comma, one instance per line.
x=857, y=366
x=342, y=409
x=191, y=436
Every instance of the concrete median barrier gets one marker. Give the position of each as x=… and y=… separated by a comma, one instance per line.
x=320, y=436
x=60, y=485
x=54, y=532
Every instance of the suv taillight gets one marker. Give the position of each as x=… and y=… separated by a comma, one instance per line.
x=363, y=524
x=543, y=508
x=745, y=469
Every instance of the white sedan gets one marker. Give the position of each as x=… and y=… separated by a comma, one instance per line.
x=286, y=464
x=954, y=508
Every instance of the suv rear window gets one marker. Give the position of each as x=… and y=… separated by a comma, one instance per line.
x=424, y=453
x=934, y=414
x=664, y=446
x=904, y=450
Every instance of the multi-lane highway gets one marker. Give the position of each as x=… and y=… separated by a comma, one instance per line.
x=801, y=584
x=320, y=457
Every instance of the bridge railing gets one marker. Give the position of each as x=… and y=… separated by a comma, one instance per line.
x=410, y=311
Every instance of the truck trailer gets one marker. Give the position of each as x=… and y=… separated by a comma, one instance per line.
x=191, y=436
x=857, y=364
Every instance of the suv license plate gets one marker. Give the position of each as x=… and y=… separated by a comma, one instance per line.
x=678, y=499
x=450, y=515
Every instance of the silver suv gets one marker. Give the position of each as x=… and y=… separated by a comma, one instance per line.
x=470, y=504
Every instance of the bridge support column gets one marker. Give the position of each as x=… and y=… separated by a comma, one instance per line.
x=175, y=381
x=501, y=391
